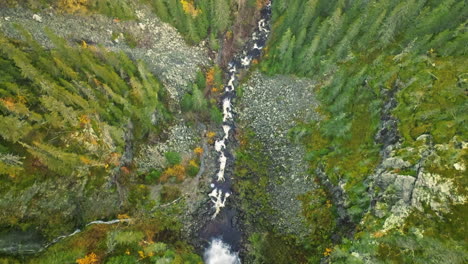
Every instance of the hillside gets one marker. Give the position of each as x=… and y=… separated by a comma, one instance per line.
x=233, y=131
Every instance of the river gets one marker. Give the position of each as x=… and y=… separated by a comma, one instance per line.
x=222, y=231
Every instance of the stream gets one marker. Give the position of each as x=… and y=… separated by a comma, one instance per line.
x=222, y=231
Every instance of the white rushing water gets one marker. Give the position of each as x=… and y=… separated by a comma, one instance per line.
x=220, y=253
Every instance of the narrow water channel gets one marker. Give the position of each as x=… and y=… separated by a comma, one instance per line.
x=222, y=231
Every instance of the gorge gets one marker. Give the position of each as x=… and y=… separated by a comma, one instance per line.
x=233, y=131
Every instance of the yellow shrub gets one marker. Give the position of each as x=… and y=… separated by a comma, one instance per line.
x=327, y=252
x=91, y=258
x=72, y=6
x=193, y=163
x=189, y=8
x=198, y=150
x=123, y=216
x=177, y=171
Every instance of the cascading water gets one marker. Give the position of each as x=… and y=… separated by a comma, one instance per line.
x=221, y=230
x=219, y=252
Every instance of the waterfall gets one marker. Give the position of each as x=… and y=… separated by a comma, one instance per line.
x=220, y=253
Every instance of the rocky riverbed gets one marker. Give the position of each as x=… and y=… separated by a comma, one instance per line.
x=270, y=107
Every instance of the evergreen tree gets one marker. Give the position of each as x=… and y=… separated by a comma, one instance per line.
x=221, y=15
x=12, y=129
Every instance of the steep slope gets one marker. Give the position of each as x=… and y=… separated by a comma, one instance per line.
x=390, y=148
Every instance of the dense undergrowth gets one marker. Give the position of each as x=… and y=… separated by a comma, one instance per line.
x=150, y=239
x=65, y=110
x=357, y=50
x=64, y=113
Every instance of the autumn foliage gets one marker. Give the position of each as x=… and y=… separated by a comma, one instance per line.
x=210, y=74
x=73, y=6
x=91, y=258
x=198, y=150
x=189, y=8
x=177, y=171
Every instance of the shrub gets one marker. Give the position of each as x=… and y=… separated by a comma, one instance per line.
x=216, y=115
x=186, y=103
x=153, y=176
x=91, y=258
x=155, y=248
x=192, y=168
x=127, y=237
x=177, y=171
x=173, y=158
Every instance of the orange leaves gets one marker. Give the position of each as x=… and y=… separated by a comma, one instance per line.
x=125, y=170
x=378, y=234
x=189, y=8
x=97, y=82
x=177, y=171
x=123, y=216
x=91, y=258
x=8, y=103
x=261, y=3
x=84, y=119
x=210, y=74
x=114, y=158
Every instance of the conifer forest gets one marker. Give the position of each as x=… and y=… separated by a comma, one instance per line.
x=233, y=131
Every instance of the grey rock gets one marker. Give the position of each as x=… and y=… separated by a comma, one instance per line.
x=271, y=121
x=395, y=163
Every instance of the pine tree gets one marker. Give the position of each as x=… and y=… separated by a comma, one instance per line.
x=12, y=129
x=221, y=15
x=199, y=102
x=161, y=10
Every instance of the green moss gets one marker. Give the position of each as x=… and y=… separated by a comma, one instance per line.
x=251, y=169
x=273, y=248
